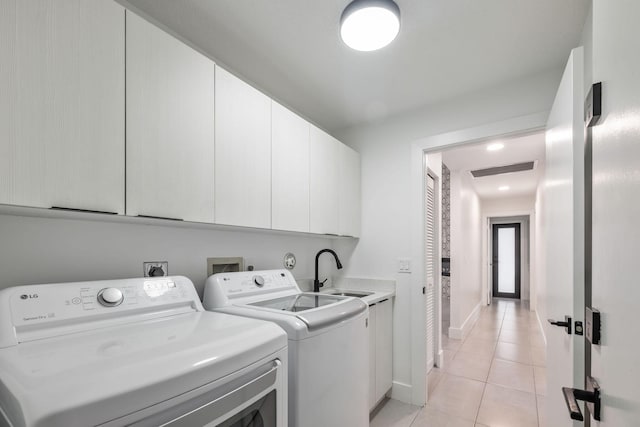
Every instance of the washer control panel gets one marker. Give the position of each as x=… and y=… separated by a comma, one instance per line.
x=37, y=304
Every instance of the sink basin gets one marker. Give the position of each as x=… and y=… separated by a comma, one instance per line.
x=357, y=294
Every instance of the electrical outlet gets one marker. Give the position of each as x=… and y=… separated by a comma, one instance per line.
x=155, y=268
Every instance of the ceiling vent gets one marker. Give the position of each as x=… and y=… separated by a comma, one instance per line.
x=498, y=170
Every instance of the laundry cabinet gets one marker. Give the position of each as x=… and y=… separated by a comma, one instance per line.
x=380, y=350
x=348, y=191
x=323, y=182
x=289, y=170
x=243, y=153
x=62, y=83
x=170, y=126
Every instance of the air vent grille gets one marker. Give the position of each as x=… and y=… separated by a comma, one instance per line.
x=498, y=170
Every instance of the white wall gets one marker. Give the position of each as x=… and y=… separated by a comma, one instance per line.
x=386, y=156
x=539, y=270
x=466, y=254
x=48, y=250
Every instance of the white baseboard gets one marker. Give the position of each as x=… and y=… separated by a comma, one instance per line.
x=401, y=391
x=462, y=332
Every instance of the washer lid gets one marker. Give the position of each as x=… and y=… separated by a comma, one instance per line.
x=316, y=310
x=91, y=377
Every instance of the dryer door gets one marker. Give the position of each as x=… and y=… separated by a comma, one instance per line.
x=255, y=399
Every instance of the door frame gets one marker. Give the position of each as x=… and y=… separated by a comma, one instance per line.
x=517, y=257
x=416, y=392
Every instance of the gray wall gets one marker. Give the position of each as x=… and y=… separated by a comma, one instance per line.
x=47, y=250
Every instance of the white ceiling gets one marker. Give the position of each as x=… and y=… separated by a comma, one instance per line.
x=291, y=49
x=516, y=150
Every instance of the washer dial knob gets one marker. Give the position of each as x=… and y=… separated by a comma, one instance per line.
x=110, y=297
x=259, y=281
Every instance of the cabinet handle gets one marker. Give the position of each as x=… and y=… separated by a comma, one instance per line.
x=381, y=301
x=160, y=217
x=60, y=208
x=371, y=305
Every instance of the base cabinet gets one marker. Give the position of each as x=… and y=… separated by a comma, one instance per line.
x=380, y=350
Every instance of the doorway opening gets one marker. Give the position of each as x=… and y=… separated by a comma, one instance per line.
x=505, y=264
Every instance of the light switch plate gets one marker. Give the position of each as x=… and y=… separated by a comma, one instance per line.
x=404, y=265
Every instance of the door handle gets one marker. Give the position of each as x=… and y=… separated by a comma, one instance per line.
x=591, y=396
x=566, y=324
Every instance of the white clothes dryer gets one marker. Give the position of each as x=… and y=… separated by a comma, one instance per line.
x=135, y=352
x=328, y=343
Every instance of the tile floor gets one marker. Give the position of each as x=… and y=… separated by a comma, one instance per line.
x=496, y=377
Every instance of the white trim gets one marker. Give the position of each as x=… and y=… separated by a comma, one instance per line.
x=463, y=331
x=517, y=125
x=401, y=391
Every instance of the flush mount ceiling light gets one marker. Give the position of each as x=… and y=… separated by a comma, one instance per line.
x=368, y=25
x=504, y=188
x=495, y=146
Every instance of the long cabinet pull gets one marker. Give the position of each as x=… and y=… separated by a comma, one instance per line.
x=381, y=301
x=61, y=208
x=160, y=217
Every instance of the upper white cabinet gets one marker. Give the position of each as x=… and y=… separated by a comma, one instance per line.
x=349, y=192
x=243, y=153
x=323, y=182
x=170, y=126
x=62, y=104
x=289, y=170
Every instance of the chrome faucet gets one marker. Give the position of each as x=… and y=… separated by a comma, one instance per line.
x=316, y=283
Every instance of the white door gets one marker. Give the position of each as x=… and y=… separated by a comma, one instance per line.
x=616, y=209
x=243, y=153
x=563, y=207
x=170, y=128
x=430, y=251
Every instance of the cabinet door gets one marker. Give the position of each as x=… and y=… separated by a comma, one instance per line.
x=243, y=153
x=62, y=104
x=384, y=347
x=323, y=180
x=289, y=170
x=373, y=396
x=349, y=192
x=170, y=126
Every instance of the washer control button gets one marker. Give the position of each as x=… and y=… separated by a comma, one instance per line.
x=259, y=281
x=110, y=297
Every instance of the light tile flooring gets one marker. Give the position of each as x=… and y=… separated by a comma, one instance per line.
x=496, y=377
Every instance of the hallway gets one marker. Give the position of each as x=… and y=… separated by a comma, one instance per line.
x=495, y=377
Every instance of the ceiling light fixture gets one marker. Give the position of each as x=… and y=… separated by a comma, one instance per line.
x=504, y=188
x=495, y=146
x=368, y=25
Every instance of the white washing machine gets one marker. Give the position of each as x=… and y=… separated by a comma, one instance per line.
x=328, y=343
x=135, y=352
